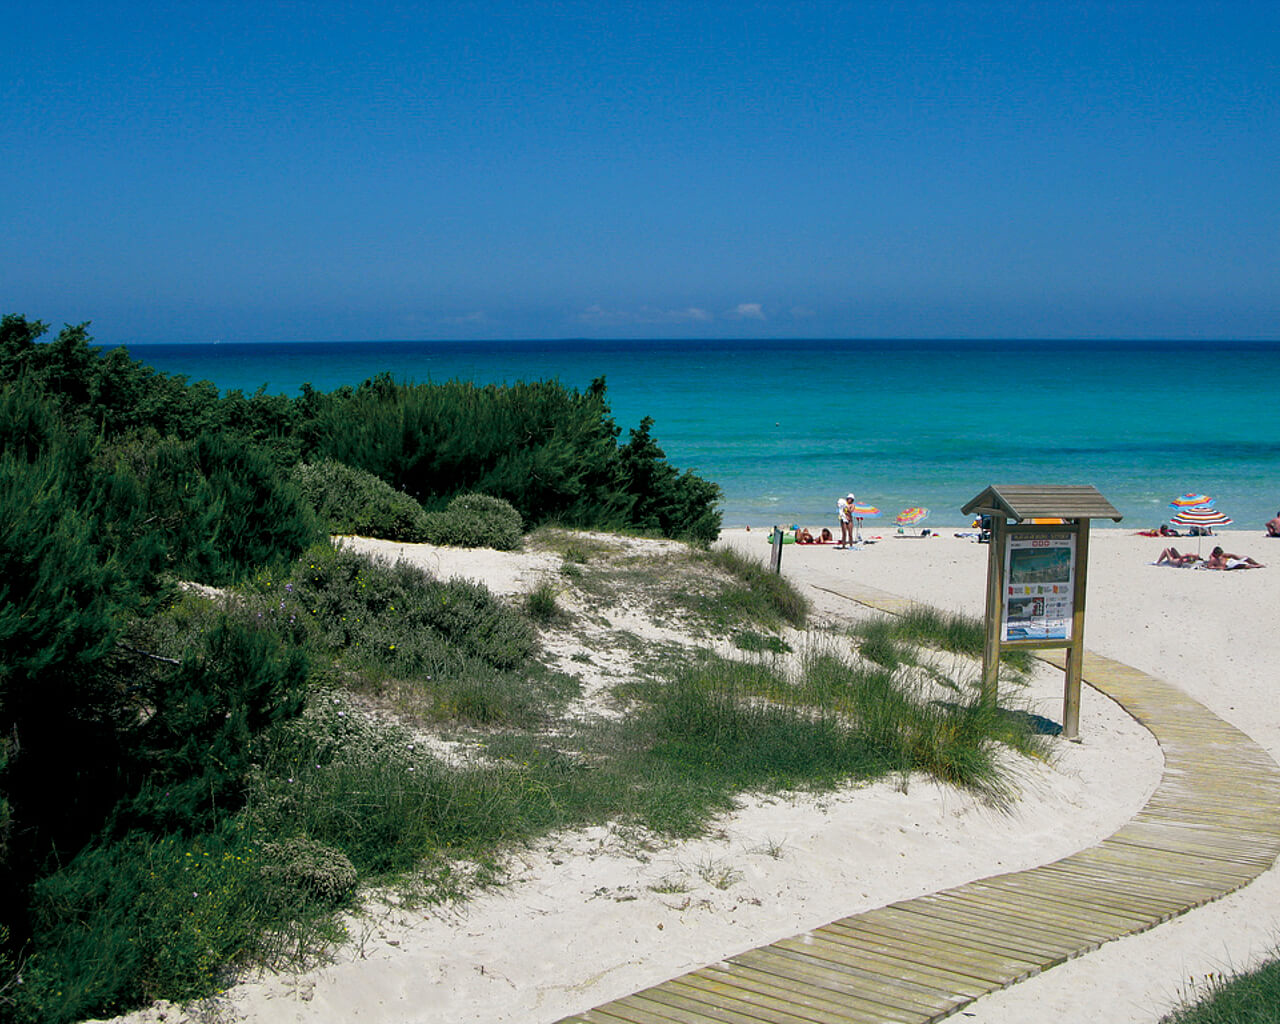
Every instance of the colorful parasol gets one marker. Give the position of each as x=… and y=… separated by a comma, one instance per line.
x=911, y=516
x=1190, y=500
x=1202, y=516
x=860, y=512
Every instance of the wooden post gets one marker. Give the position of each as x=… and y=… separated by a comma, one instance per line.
x=995, y=606
x=775, y=558
x=1075, y=653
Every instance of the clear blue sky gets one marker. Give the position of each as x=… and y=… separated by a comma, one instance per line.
x=324, y=170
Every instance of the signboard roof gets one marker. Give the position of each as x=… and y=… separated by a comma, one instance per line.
x=1022, y=502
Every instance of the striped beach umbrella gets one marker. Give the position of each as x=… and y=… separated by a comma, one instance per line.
x=1200, y=515
x=911, y=516
x=1204, y=516
x=1191, y=500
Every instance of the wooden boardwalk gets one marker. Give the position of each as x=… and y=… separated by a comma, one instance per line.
x=1211, y=826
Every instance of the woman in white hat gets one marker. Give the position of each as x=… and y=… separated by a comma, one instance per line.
x=844, y=508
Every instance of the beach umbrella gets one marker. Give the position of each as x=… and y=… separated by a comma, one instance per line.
x=861, y=512
x=910, y=516
x=1204, y=516
x=1191, y=500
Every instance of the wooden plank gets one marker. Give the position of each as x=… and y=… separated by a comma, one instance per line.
x=992, y=970
x=846, y=980
x=1070, y=907
x=804, y=993
x=982, y=936
x=742, y=999
x=1003, y=907
x=947, y=977
x=665, y=1002
x=1028, y=927
x=987, y=936
x=1159, y=897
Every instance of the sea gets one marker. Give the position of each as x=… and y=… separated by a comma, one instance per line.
x=787, y=427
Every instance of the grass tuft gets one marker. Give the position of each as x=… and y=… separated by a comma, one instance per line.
x=1251, y=997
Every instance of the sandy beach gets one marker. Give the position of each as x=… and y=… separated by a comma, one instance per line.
x=592, y=916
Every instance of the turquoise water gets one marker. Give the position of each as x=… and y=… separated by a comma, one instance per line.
x=786, y=427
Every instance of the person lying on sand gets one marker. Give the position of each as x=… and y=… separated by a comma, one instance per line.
x=1170, y=556
x=1219, y=559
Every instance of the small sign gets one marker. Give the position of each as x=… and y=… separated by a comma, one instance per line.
x=1039, y=585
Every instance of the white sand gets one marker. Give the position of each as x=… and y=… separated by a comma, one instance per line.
x=590, y=917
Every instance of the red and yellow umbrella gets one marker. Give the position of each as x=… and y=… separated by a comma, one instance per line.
x=911, y=516
x=1191, y=500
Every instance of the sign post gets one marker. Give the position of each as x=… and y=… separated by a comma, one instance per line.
x=775, y=556
x=1036, y=568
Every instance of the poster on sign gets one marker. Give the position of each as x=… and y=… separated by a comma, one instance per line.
x=1039, y=586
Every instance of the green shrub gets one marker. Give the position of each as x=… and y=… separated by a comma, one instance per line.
x=264, y=520
x=680, y=505
x=540, y=604
x=137, y=920
x=195, y=749
x=401, y=617
x=302, y=866
x=353, y=501
x=475, y=521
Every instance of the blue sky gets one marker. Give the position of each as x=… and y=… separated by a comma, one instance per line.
x=287, y=171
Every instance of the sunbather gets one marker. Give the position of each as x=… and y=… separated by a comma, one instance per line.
x=1219, y=559
x=1170, y=556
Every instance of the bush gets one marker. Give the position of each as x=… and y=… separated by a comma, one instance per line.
x=136, y=920
x=541, y=606
x=302, y=866
x=354, y=501
x=402, y=618
x=679, y=505
x=264, y=520
x=195, y=749
x=475, y=521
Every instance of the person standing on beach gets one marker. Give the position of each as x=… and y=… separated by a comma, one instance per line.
x=844, y=507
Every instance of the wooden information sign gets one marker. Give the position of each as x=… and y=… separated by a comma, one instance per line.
x=1036, y=570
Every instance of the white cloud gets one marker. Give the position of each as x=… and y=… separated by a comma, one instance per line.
x=600, y=316
x=748, y=311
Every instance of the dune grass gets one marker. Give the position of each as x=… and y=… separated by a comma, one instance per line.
x=1251, y=997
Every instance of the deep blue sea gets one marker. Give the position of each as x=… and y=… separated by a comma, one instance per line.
x=786, y=427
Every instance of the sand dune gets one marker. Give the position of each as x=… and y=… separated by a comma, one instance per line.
x=592, y=916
